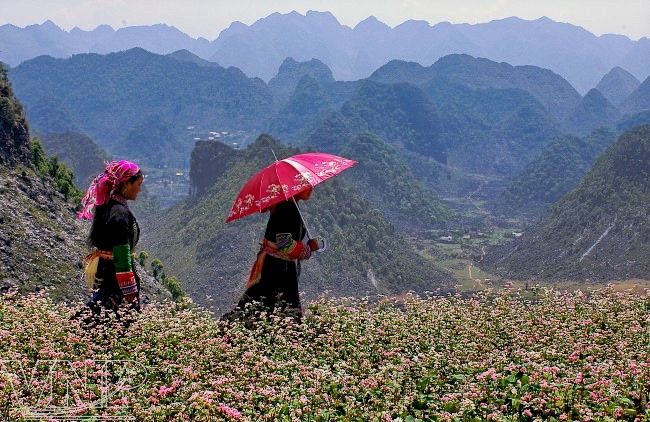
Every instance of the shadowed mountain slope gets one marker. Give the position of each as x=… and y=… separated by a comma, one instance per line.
x=599, y=231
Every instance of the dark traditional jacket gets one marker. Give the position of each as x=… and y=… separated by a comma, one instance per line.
x=274, y=278
x=115, y=230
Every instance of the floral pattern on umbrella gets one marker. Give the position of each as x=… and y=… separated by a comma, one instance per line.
x=285, y=178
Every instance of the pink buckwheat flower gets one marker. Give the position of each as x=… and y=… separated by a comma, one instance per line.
x=232, y=412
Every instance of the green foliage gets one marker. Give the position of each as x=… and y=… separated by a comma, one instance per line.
x=597, y=231
x=63, y=179
x=38, y=157
x=109, y=94
x=594, y=111
x=559, y=167
x=400, y=112
x=51, y=167
x=49, y=115
x=157, y=269
x=304, y=109
x=494, y=131
x=334, y=132
x=387, y=180
x=142, y=258
x=172, y=284
x=11, y=109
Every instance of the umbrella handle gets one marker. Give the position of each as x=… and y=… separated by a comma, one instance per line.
x=307, y=228
x=301, y=217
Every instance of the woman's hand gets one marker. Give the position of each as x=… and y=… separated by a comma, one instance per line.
x=313, y=245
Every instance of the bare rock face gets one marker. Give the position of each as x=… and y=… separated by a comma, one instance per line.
x=14, y=132
x=41, y=243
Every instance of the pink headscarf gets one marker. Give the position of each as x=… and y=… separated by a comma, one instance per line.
x=104, y=183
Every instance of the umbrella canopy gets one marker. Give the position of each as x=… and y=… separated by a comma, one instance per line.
x=285, y=178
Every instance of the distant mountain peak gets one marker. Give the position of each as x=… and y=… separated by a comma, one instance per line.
x=593, y=111
x=48, y=24
x=370, y=23
x=258, y=49
x=617, y=85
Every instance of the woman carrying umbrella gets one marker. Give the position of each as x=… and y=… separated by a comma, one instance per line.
x=273, y=281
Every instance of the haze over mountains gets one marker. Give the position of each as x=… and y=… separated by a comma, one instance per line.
x=353, y=53
x=461, y=151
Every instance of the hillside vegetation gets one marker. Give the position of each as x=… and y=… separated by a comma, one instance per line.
x=600, y=230
x=42, y=242
x=558, y=169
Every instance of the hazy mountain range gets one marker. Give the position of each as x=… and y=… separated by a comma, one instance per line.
x=352, y=53
x=460, y=146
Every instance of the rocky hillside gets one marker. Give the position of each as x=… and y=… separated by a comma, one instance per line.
x=599, y=231
x=42, y=244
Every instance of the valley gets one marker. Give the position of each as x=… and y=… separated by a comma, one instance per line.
x=487, y=254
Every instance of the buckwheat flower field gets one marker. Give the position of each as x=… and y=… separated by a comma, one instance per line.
x=497, y=355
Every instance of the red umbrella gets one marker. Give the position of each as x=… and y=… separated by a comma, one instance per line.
x=285, y=178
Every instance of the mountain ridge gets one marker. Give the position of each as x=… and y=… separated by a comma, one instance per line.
x=354, y=53
x=598, y=231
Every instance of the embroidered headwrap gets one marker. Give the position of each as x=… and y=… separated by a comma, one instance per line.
x=104, y=183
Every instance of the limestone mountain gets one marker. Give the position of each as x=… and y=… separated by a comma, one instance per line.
x=558, y=168
x=366, y=254
x=301, y=112
x=617, y=85
x=259, y=49
x=332, y=135
x=640, y=118
x=49, y=115
x=550, y=89
x=22, y=44
x=154, y=141
x=400, y=113
x=354, y=53
x=188, y=56
x=112, y=94
x=593, y=111
x=209, y=162
x=491, y=131
x=639, y=99
x=389, y=184
x=291, y=72
x=77, y=151
x=599, y=231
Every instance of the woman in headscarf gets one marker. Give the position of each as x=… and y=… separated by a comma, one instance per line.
x=273, y=281
x=113, y=235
